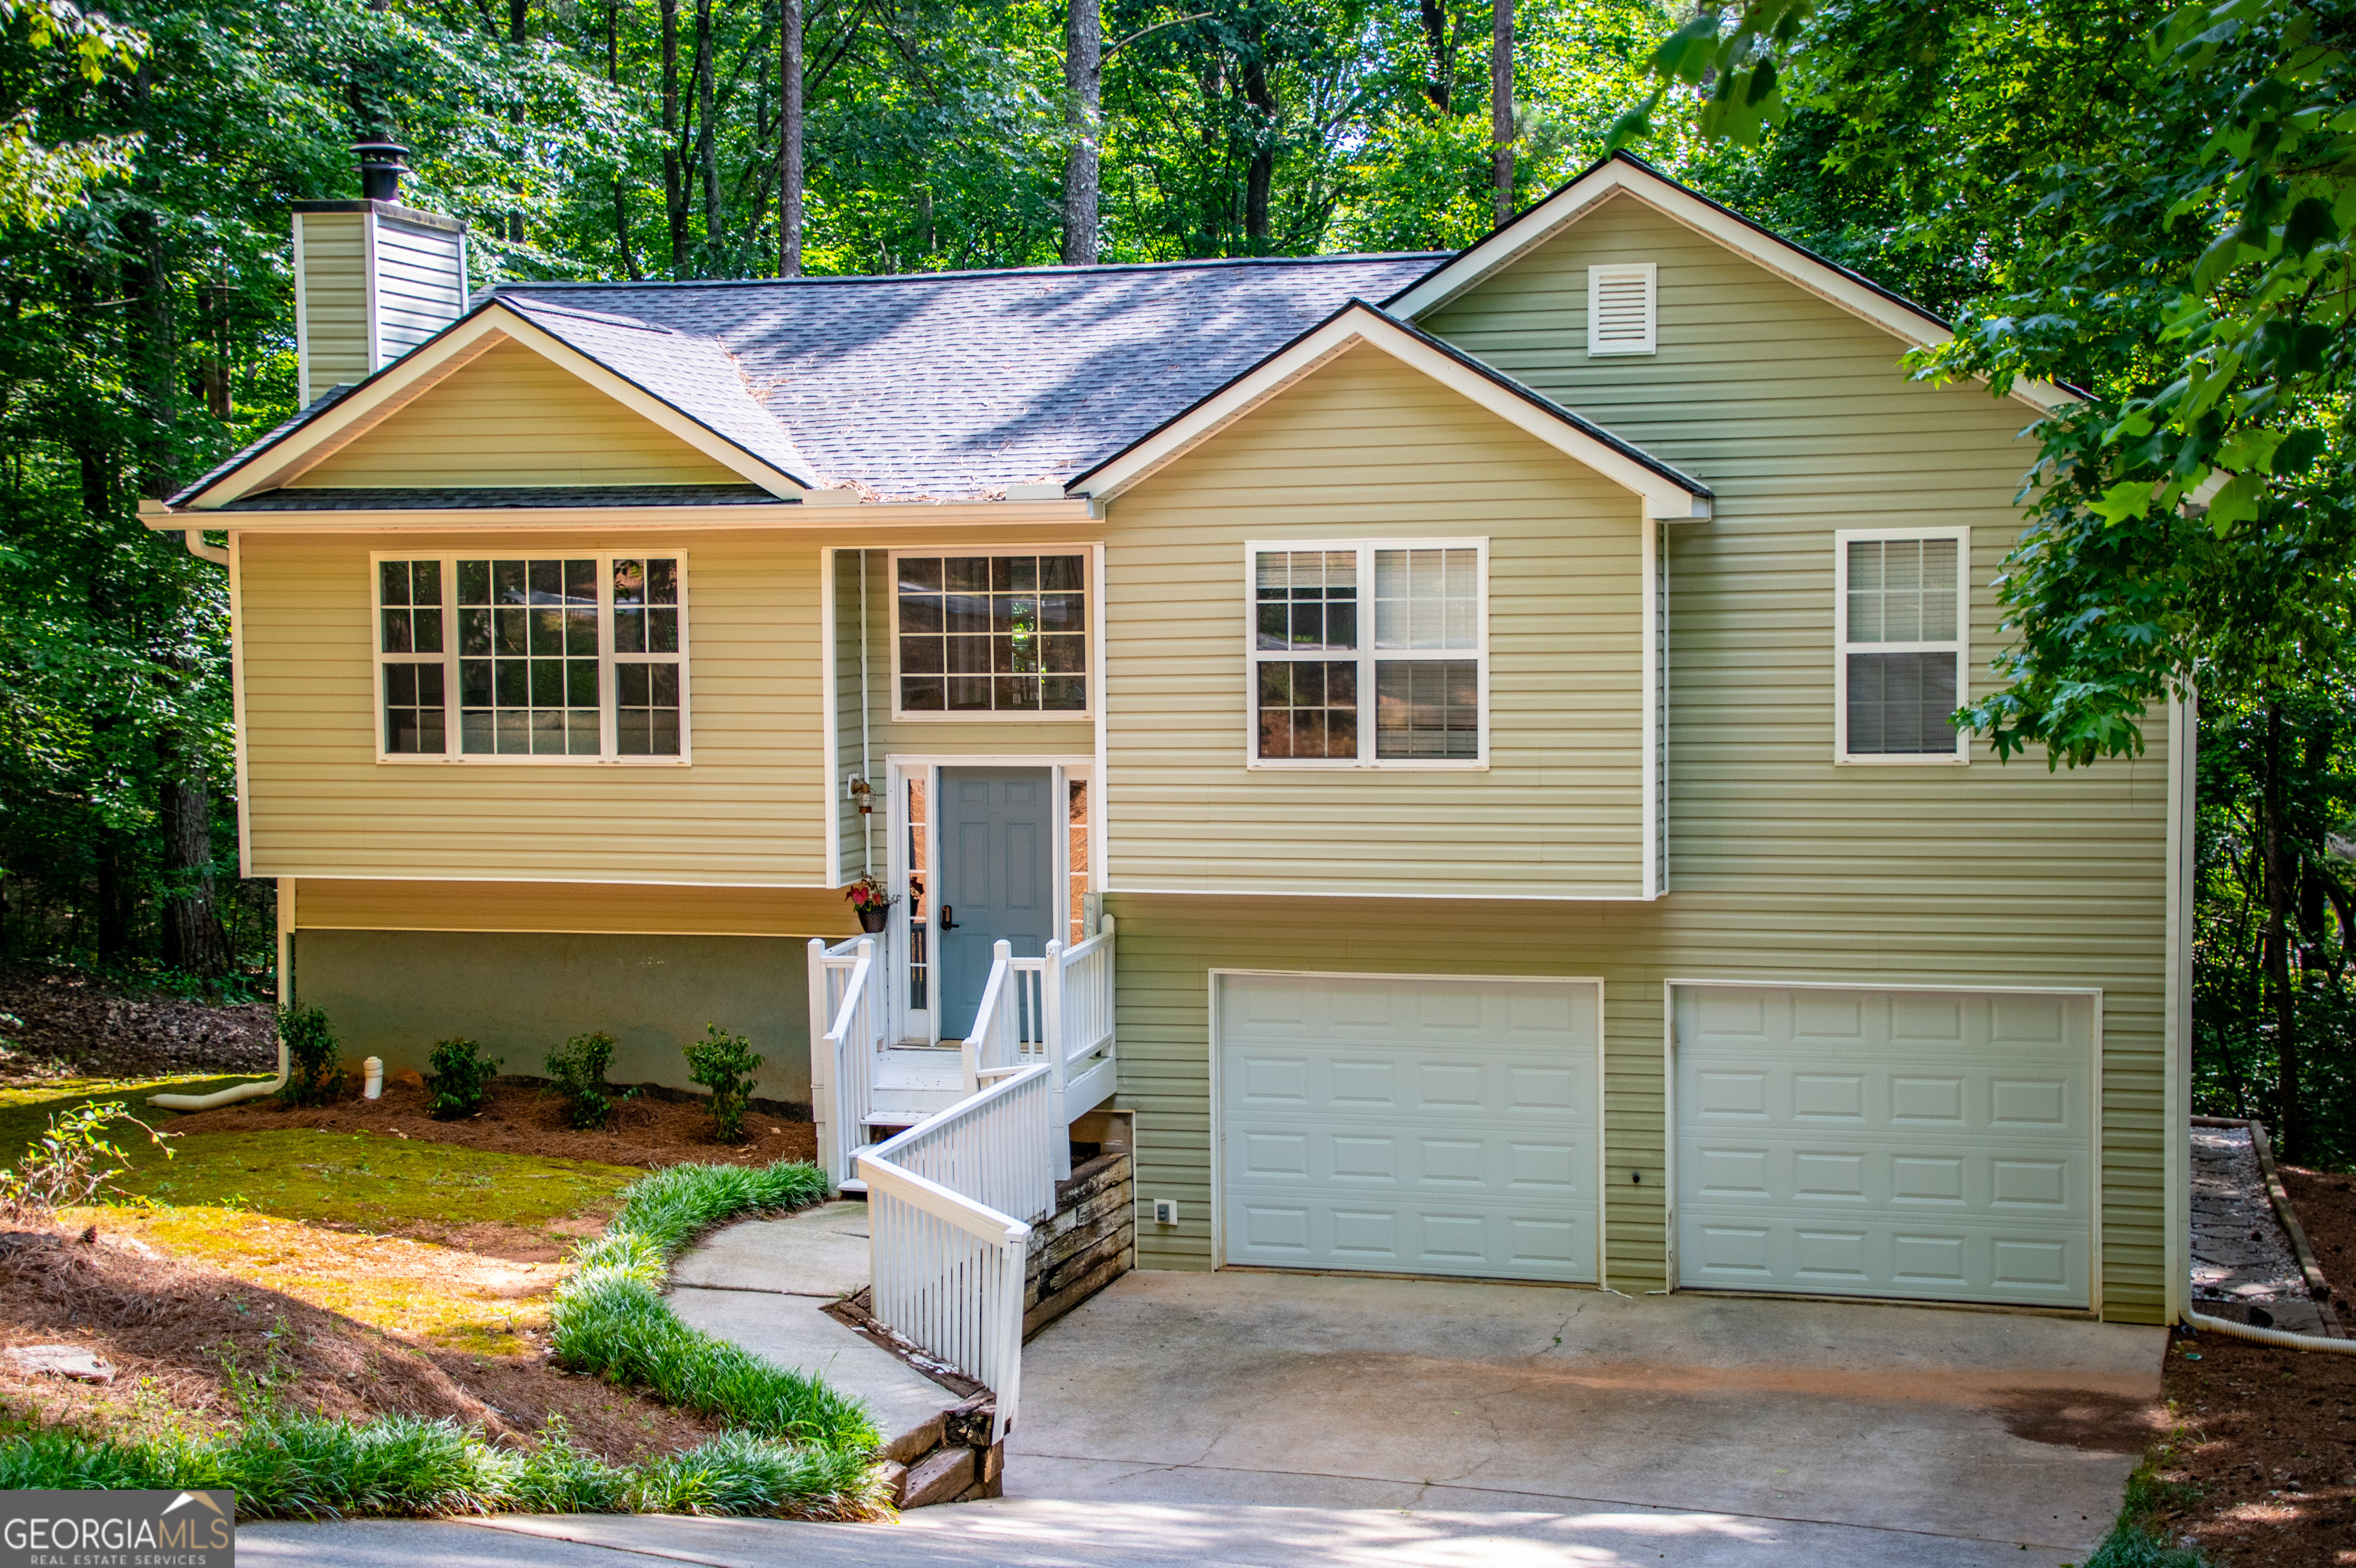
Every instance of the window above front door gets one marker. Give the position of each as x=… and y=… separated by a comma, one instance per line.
x=990, y=635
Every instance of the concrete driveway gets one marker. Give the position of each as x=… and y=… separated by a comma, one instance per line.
x=1925, y=1436
x=1260, y=1419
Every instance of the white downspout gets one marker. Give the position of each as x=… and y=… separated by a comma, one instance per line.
x=285, y=998
x=195, y=538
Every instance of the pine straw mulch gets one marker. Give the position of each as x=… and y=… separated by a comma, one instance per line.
x=2266, y=1456
x=62, y=1025
x=179, y=1334
x=646, y=1130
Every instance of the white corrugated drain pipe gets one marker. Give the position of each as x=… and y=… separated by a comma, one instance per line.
x=2281, y=1338
x=285, y=994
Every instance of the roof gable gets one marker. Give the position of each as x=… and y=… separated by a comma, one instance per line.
x=1664, y=492
x=357, y=435
x=510, y=417
x=1627, y=177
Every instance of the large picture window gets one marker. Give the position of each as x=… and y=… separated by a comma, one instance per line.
x=529, y=657
x=1902, y=618
x=981, y=634
x=1369, y=655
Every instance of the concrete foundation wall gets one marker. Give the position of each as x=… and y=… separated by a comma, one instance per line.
x=393, y=993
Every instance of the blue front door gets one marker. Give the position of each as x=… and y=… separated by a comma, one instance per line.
x=996, y=877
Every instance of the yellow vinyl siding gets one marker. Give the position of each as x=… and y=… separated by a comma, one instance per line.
x=1782, y=866
x=512, y=417
x=335, y=300
x=1369, y=449
x=332, y=905
x=745, y=813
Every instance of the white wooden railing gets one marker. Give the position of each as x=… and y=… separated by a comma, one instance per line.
x=1055, y=1011
x=950, y=1204
x=846, y=1014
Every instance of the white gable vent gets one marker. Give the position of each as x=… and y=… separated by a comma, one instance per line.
x=1620, y=308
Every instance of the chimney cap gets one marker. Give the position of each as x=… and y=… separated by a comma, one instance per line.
x=383, y=163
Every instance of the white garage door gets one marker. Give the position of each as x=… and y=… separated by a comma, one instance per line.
x=1409, y=1125
x=1932, y=1144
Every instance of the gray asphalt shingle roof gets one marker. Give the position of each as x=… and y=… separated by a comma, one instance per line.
x=961, y=384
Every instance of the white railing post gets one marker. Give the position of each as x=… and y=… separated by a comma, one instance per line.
x=830, y=1150
x=1051, y=1037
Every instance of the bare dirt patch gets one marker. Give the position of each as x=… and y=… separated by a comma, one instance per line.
x=179, y=1336
x=62, y=1026
x=2266, y=1461
x=646, y=1130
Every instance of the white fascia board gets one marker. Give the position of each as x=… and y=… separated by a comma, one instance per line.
x=417, y=372
x=756, y=515
x=1357, y=325
x=1574, y=201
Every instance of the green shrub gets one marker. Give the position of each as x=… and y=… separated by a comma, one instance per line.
x=460, y=1081
x=315, y=1073
x=723, y=1063
x=577, y=1067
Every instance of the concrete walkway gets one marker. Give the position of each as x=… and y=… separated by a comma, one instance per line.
x=1256, y=1419
x=762, y=1284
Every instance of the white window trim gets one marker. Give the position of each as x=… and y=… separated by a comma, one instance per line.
x=1088, y=577
x=1843, y=648
x=608, y=687
x=1255, y=655
x=1600, y=274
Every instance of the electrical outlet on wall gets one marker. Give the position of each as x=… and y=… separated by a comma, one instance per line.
x=1166, y=1210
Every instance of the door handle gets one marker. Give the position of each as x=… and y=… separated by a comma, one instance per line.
x=947, y=923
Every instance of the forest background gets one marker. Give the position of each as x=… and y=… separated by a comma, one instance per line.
x=2077, y=182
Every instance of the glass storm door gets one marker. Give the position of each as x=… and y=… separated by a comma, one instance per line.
x=996, y=877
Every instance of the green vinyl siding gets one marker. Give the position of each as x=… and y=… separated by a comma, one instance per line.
x=1367, y=449
x=1783, y=865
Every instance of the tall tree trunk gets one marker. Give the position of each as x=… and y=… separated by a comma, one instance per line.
x=1084, y=124
x=621, y=197
x=193, y=941
x=1501, y=106
x=1441, y=88
x=674, y=185
x=2287, y=1128
x=115, y=900
x=789, y=138
x=707, y=140
x=519, y=31
x=1259, y=175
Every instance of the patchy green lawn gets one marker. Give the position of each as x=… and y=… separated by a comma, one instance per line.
x=369, y=1181
x=25, y=1112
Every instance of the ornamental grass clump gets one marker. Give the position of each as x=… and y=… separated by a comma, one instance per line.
x=610, y=1318
x=577, y=1070
x=459, y=1083
x=310, y=1467
x=724, y=1063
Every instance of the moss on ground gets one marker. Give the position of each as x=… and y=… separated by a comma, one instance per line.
x=25, y=1112
x=369, y=1181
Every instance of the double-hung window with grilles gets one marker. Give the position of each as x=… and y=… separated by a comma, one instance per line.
x=532, y=657
x=1369, y=655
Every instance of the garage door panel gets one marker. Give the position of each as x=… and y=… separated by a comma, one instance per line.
x=1416, y=1127
x=1925, y=1145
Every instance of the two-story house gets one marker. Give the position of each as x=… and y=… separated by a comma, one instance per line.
x=1502, y=699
